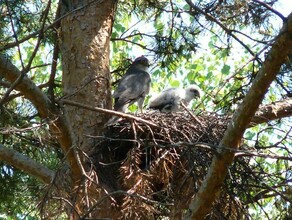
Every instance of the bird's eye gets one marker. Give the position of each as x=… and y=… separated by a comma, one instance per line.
x=195, y=92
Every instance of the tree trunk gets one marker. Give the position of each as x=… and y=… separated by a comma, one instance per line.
x=85, y=39
x=84, y=44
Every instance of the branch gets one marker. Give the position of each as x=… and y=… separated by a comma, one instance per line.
x=265, y=113
x=51, y=81
x=271, y=9
x=26, y=164
x=266, y=193
x=244, y=153
x=44, y=29
x=26, y=86
x=273, y=111
x=107, y=111
x=213, y=19
x=28, y=66
x=46, y=109
x=209, y=190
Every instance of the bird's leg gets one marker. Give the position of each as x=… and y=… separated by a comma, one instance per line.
x=140, y=109
x=124, y=108
x=140, y=105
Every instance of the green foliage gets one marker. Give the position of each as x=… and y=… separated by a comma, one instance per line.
x=185, y=47
x=16, y=190
x=22, y=131
x=20, y=126
x=189, y=49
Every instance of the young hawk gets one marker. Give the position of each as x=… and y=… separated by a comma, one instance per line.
x=169, y=100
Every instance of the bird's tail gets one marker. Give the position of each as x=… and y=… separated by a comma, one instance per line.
x=112, y=121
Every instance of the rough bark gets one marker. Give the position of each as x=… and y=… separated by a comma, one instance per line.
x=46, y=109
x=277, y=110
x=26, y=164
x=210, y=187
x=84, y=45
x=85, y=38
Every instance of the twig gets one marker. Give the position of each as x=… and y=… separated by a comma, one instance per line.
x=110, y=112
x=121, y=192
x=228, y=31
x=193, y=116
x=252, y=154
x=68, y=202
x=271, y=9
x=25, y=69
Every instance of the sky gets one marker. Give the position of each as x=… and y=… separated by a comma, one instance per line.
x=284, y=6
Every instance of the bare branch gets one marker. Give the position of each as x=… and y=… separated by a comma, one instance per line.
x=22, y=162
x=217, y=172
x=271, y=9
x=26, y=68
x=228, y=31
x=273, y=111
x=46, y=109
x=107, y=111
x=253, y=154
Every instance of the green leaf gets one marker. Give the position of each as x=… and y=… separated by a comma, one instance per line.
x=226, y=69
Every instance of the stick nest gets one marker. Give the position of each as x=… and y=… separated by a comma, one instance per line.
x=159, y=169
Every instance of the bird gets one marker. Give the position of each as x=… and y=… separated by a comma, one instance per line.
x=169, y=100
x=133, y=86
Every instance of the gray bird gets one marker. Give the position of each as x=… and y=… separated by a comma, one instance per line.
x=133, y=86
x=169, y=100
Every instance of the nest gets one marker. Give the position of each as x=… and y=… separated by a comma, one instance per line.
x=158, y=169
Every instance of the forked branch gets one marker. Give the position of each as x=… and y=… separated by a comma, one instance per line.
x=209, y=190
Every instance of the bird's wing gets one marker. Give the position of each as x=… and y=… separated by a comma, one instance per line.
x=131, y=88
x=166, y=100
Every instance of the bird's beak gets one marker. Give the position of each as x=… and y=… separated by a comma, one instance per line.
x=147, y=63
x=199, y=94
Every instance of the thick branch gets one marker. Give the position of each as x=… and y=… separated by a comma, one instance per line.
x=26, y=87
x=46, y=110
x=210, y=187
x=26, y=164
x=273, y=111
